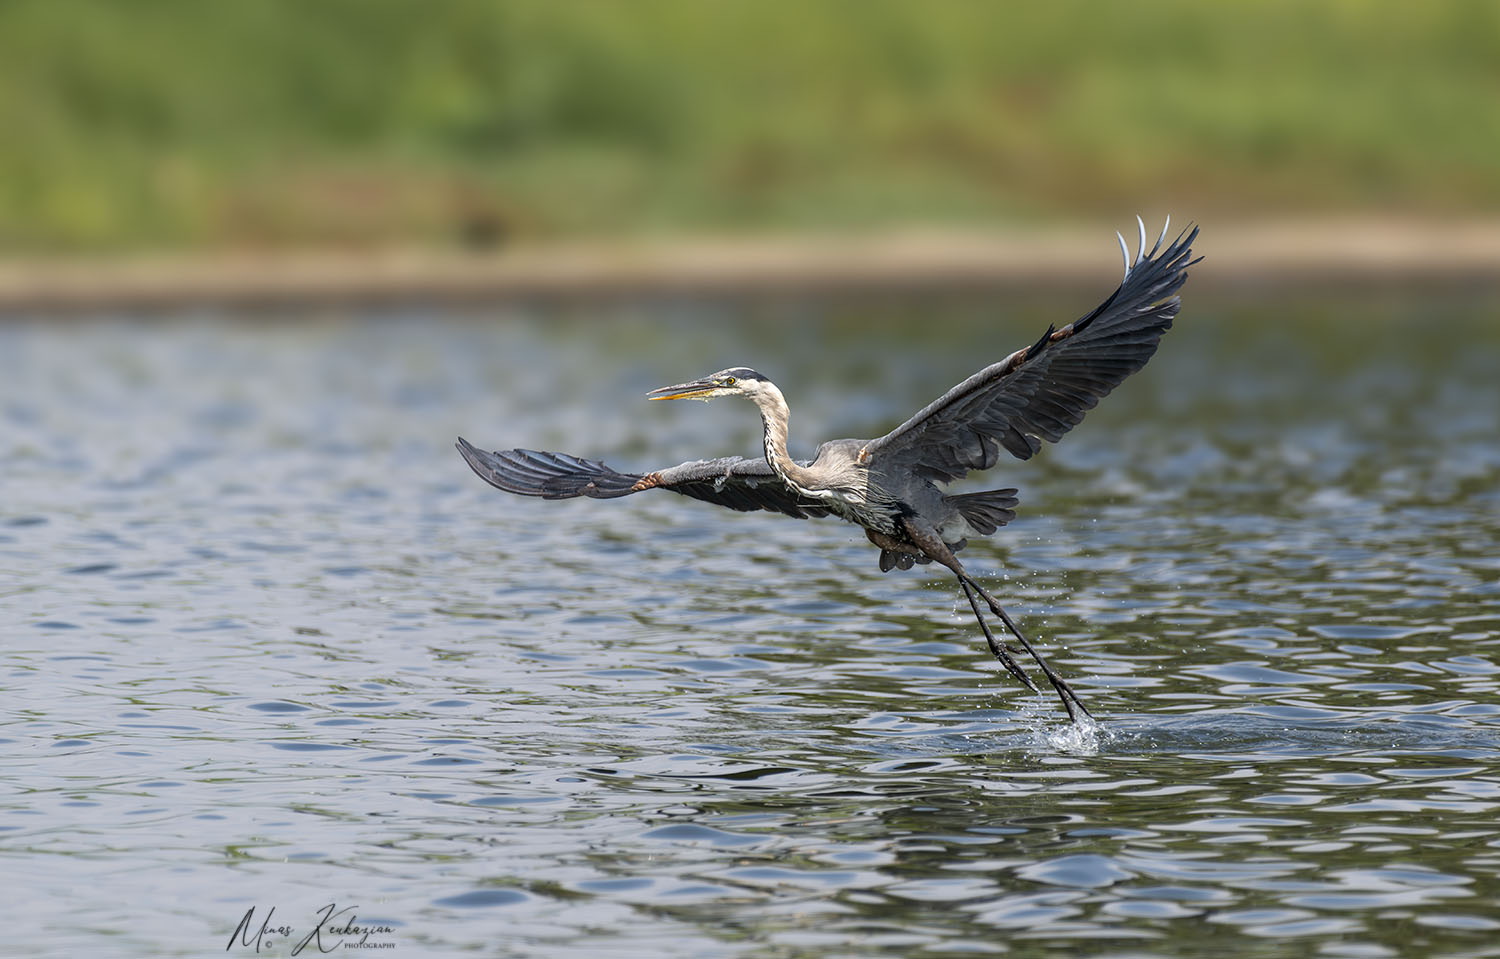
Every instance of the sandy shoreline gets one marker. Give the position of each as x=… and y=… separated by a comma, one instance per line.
x=1243, y=258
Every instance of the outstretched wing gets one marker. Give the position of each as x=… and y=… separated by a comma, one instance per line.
x=738, y=483
x=1041, y=392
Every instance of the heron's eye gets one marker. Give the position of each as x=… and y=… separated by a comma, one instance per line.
x=729, y=381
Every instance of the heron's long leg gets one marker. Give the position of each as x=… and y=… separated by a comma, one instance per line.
x=1065, y=692
x=995, y=646
x=925, y=538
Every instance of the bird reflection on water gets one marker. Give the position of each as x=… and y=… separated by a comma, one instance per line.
x=893, y=486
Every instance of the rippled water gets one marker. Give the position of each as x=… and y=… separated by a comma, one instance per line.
x=267, y=643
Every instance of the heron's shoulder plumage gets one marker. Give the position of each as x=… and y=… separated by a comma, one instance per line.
x=837, y=452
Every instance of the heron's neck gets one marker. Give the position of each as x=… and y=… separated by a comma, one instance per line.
x=774, y=415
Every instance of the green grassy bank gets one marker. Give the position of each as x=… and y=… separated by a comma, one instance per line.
x=175, y=124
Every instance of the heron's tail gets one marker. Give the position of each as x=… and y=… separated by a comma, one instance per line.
x=986, y=511
x=548, y=475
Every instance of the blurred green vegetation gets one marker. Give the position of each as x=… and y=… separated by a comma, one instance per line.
x=263, y=123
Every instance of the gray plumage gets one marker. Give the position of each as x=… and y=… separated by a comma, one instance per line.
x=891, y=485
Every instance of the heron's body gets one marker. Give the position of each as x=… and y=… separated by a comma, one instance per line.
x=892, y=486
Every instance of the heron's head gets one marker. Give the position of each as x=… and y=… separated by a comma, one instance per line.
x=737, y=381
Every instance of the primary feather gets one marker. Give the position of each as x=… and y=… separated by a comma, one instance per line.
x=1043, y=391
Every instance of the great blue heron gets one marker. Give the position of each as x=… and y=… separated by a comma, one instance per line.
x=891, y=485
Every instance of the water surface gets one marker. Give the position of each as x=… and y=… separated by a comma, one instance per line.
x=268, y=643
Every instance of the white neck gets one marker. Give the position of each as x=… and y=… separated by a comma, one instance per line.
x=774, y=416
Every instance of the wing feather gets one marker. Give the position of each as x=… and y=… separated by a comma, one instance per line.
x=548, y=475
x=738, y=483
x=734, y=482
x=1043, y=391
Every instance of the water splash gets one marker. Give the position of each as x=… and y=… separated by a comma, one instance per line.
x=1079, y=738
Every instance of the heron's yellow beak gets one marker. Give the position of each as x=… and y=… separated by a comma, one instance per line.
x=696, y=390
